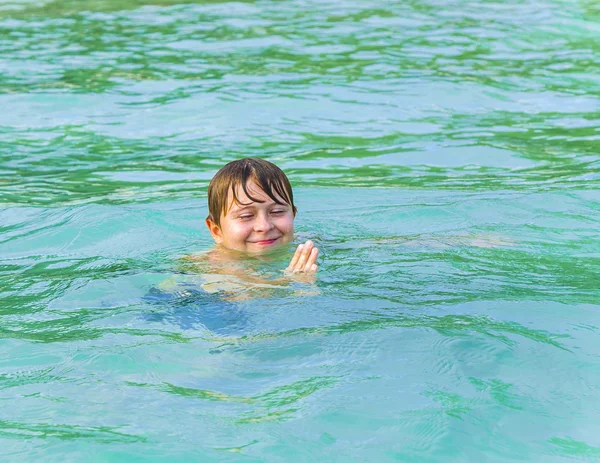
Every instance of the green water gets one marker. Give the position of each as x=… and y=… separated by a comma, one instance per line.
x=445, y=158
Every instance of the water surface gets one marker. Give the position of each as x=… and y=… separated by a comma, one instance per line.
x=445, y=159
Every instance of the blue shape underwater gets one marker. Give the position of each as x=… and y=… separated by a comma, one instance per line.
x=194, y=307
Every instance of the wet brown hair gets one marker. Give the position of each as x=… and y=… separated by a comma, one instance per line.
x=267, y=176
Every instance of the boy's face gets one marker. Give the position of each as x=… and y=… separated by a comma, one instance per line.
x=256, y=227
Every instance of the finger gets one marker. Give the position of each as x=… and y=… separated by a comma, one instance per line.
x=295, y=257
x=308, y=246
x=314, y=268
x=312, y=259
x=299, y=267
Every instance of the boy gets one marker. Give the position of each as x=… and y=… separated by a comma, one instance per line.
x=251, y=213
x=251, y=210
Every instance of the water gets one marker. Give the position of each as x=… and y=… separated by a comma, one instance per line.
x=445, y=159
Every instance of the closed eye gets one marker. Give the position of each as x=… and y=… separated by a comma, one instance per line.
x=245, y=216
x=277, y=212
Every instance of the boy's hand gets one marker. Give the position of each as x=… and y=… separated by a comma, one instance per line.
x=304, y=260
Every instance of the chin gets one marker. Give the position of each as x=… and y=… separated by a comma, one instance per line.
x=266, y=248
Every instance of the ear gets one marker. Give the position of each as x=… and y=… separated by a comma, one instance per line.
x=214, y=230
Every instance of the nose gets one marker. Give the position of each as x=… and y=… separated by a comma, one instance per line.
x=262, y=223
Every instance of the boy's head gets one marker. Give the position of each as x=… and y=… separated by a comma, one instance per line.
x=251, y=206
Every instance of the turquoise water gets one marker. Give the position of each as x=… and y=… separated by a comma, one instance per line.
x=445, y=160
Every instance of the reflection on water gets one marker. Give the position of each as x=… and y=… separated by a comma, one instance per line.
x=444, y=159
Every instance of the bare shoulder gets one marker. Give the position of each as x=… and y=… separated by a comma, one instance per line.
x=195, y=257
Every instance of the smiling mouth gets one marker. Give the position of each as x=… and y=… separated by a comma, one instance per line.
x=265, y=242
